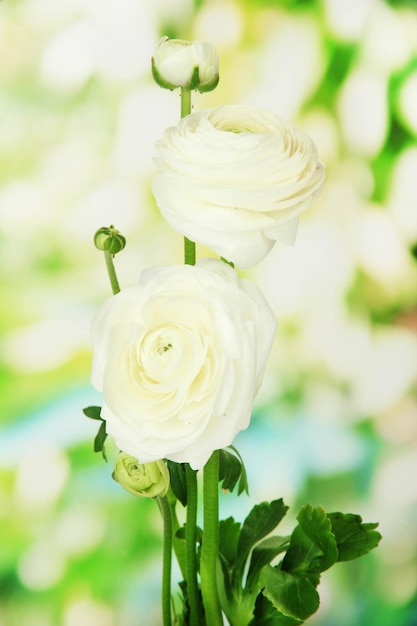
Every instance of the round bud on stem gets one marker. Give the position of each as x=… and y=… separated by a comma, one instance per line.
x=108, y=239
x=148, y=480
x=186, y=64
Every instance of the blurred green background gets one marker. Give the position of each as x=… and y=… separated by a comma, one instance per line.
x=336, y=420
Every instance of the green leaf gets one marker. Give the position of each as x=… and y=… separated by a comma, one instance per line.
x=263, y=518
x=93, y=412
x=178, y=481
x=229, y=470
x=99, y=440
x=267, y=615
x=229, y=594
x=181, y=533
x=243, y=482
x=292, y=594
x=228, y=539
x=263, y=554
x=232, y=470
x=313, y=546
x=354, y=539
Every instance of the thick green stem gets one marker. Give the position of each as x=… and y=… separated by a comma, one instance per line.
x=191, y=547
x=111, y=272
x=210, y=544
x=167, y=560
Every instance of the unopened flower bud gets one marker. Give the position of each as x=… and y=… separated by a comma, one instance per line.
x=148, y=480
x=108, y=239
x=187, y=64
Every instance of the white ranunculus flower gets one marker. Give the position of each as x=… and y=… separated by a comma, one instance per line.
x=236, y=178
x=179, y=359
x=188, y=64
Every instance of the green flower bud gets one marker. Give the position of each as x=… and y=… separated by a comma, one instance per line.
x=141, y=479
x=187, y=64
x=108, y=239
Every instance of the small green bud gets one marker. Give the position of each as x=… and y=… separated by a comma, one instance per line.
x=108, y=239
x=187, y=64
x=148, y=480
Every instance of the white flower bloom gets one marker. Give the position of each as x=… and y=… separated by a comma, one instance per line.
x=179, y=359
x=188, y=64
x=236, y=178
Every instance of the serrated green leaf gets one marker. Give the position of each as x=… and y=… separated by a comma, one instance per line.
x=267, y=615
x=93, y=412
x=262, y=554
x=313, y=546
x=354, y=539
x=262, y=520
x=178, y=481
x=229, y=593
x=99, y=440
x=228, y=539
x=292, y=594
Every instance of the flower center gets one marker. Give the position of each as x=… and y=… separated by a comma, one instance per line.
x=235, y=128
x=163, y=346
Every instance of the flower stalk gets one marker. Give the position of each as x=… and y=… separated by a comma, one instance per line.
x=185, y=102
x=111, y=270
x=110, y=241
x=165, y=508
x=210, y=543
x=189, y=246
x=191, y=547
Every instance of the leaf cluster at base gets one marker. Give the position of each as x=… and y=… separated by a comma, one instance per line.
x=253, y=592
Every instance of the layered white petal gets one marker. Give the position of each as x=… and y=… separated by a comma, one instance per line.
x=237, y=170
x=179, y=359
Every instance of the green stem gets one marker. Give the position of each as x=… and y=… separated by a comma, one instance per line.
x=167, y=559
x=189, y=246
x=191, y=546
x=177, y=544
x=210, y=544
x=185, y=102
x=111, y=272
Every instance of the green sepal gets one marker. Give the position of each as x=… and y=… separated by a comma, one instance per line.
x=293, y=595
x=109, y=239
x=354, y=539
x=194, y=80
x=193, y=83
x=160, y=80
x=209, y=86
x=178, y=481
